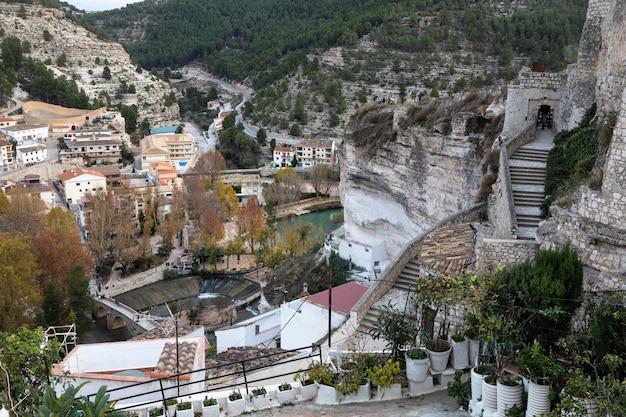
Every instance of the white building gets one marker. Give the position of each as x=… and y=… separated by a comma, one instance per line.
x=30, y=153
x=22, y=133
x=296, y=324
x=7, y=157
x=76, y=183
x=124, y=364
x=176, y=149
x=95, y=144
x=34, y=186
x=7, y=121
x=262, y=330
x=282, y=156
x=310, y=153
x=305, y=321
x=367, y=256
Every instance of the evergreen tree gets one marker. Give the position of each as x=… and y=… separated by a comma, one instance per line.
x=80, y=300
x=52, y=307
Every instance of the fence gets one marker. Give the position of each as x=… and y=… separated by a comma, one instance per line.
x=224, y=377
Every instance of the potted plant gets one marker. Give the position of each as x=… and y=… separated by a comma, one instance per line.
x=477, y=375
x=490, y=394
x=170, y=404
x=156, y=412
x=460, y=351
x=392, y=326
x=235, y=403
x=439, y=353
x=351, y=380
x=260, y=399
x=308, y=387
x=210, y=407
x=578, y=396
x=540, y=370
x=184, y=409
x=417, y=364
x=472, y=332
x=509, y=392
x=324, y=375
x=285, y=393
x=385, y=378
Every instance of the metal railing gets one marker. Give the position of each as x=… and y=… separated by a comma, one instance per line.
x=214, y=378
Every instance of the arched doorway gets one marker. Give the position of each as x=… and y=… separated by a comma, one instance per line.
x=544, y=116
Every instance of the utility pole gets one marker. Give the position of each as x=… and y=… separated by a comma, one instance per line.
x=330, y=302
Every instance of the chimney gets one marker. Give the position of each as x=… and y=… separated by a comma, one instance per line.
x=305, y=290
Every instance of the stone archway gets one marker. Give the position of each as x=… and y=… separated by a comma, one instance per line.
x=117, y=322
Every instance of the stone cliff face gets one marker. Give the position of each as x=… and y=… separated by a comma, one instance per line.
x=86, y=57
x=407, y=167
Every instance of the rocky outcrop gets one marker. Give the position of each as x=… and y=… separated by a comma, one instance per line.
x=51, y=35
x=405, y=168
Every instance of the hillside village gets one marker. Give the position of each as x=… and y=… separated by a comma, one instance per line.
x=412, y=210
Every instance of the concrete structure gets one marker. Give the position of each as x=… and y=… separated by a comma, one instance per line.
x=282, y=156
x=31, y=153
x=305, y=321
x=176, y=149
x=263, y=330
x=92, y=145
x=315, y=152
x=76, y=183
x=60, y=119
x=25, y=133
x=122, y=364
x=163, y=130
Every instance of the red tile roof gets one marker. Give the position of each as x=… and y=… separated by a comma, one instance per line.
x=167, y=362
x=344, y=297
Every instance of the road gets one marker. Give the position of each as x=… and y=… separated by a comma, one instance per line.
x=246, y=93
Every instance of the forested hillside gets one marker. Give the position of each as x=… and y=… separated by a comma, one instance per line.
x=265, y=40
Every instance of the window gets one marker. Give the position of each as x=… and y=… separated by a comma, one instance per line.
x=257, y=329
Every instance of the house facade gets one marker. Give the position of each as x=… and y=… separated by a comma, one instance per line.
x=33, y=185
x=31, y=153
x=92, y=145
x=176, y=149
x=7, y=156
x=24, y=133
x=7, y=121
x=310, y=153
x=282, y=156
x=76, y=183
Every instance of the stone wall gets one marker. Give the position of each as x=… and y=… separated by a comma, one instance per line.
x=493, y=252
x=501, y=204
x=542, y=80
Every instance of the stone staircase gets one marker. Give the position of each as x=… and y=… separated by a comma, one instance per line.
x=446, y=250
x=527, y=167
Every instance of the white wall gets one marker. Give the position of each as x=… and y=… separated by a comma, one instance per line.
x=364, y=256
x=245, y=333
x=305, y=323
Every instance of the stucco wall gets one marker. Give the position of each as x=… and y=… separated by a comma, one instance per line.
x=60, y=119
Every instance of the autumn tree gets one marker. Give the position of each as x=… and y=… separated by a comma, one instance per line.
x=289, y=185
x=25, y=214
x=301, y=238
x=110, y=223
x=210, y=165
x=211, y=225
x=19, y=297
x=172, y=220
x=62, y=220
x=234, y=247
x=322, y=177
x=250, y=220
x=56, y=252
x=228, y=197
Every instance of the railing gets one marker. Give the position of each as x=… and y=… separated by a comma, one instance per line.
x=142, y=394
